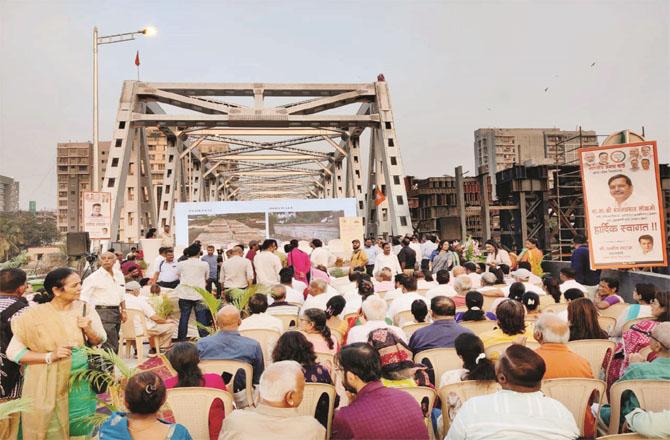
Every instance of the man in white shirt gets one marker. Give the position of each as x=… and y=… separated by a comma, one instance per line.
x=192, y=273
x=404, y=302
x=153, y=269
x=387, y=259
x=166, y=274
x=320, y=256
x=522, y=276
x=317, y=297
x=294, y=288
x=258, y=305
x=443, y=288
x=267, y=266
x=427, y=247
x=158, y=329
x=236, y=272
x=166, y=237
x=567, y=277
x=520, y=410
x=371, y=251
x=105, y=290
x=374, y=310
x=471, y=272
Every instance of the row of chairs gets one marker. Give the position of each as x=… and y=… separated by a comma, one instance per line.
x=445, y=359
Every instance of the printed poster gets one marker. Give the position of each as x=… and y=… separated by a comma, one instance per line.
x=97, y=211
x=623, y=205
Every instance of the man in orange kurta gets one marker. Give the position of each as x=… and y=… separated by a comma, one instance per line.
x=553, y=333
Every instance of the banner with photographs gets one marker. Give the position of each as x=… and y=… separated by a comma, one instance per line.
x=97, y=214
x=623, y=205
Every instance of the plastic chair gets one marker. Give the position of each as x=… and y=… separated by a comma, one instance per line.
x=440, y=360
x=652, y=395
x=464, y=390
x=607, y=323
x=555, y=308
x=403, y=317
x=128, y=334
x=190, y=406
x=594, y=351
x=310, y=399
x=631, y=436
x=267, y=338
x=231, y=367
x=479, y=327
x=575, y=394
x=327, y=360
x=411, y=327
x=631, y=322
x=420, y=394
x=338, y=335
x=289, y=321
x=495, y=350
x=614, y=311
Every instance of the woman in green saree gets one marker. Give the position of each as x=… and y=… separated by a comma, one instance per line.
x=49, y=341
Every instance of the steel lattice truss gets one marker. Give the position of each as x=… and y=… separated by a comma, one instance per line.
x=299, y=149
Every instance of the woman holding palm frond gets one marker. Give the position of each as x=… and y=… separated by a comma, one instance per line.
x=50, y=339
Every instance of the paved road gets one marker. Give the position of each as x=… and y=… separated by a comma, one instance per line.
x=224, y=231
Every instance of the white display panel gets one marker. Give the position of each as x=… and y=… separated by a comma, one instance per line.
x=225, y=223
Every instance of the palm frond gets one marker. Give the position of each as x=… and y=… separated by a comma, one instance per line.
x=14, y=406
x=212, y=303
x=164, y=307
x=113, y=359
x=94, y=377
x=95, y=419
x=207, y=328
x=240, y=297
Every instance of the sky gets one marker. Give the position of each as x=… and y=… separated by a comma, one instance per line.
x=452, y=67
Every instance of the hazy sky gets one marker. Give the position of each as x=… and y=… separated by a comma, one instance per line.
x=452, y=67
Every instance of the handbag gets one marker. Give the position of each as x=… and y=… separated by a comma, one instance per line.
x=96, y=363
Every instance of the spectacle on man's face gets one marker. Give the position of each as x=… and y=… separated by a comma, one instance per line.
x=620, y=190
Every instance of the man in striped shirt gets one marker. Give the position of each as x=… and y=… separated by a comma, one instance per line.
x=12, y=286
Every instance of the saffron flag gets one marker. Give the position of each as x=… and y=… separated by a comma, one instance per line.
x=137, y=58
x=379, y=197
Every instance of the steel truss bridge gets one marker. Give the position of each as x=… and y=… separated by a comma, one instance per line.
x=289, y=141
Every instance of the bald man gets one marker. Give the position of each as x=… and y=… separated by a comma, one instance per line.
x=105, y=289
x=228, y=344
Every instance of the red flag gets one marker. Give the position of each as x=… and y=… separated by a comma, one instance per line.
x=379, y=197
x=137, y=58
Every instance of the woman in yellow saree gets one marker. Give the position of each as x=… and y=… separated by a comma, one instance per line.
x=533, y=255
x=49, y=340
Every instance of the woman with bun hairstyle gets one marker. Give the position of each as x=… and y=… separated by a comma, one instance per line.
x=144, y=394
x=50, y=337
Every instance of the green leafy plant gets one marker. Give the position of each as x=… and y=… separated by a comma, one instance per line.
x=14, y=406
x=239, y=298
x=338, y=273
x=164, y=306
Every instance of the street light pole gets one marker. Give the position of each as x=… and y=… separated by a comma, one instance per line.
x=97, y=41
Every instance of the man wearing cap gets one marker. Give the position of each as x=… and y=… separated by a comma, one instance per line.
x=104, y=289
x=159, y=330
x=359, y=259
x=523, y=276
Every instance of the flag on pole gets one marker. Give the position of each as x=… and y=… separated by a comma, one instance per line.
x=379, y=197
x=137, y=59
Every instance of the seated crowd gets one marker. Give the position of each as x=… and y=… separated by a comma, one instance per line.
x=385, y=352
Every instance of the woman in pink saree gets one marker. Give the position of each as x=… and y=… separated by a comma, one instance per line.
x=637, y=337
x=299, y=261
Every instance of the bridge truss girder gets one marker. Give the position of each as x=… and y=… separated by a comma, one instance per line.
x=299, y=149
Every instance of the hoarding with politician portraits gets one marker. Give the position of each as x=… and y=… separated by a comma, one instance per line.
x=623, y=205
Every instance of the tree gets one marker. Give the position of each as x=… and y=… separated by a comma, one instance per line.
x=21, y=230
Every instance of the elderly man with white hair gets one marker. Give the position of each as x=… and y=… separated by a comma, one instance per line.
x=276, y=417
x=318, y=295
x=524, y=276
x=553, y=334
x=374, y=310
x=160, y=330
x=462, y=285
